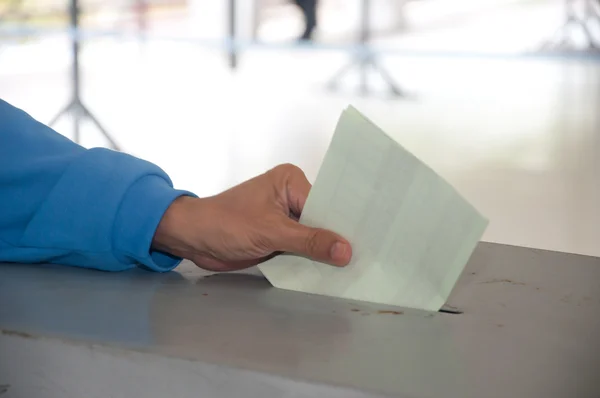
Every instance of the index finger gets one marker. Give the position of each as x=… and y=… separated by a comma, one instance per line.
x=298, y=188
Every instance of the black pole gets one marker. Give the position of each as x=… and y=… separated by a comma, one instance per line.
x=75, y=106
x=74, y=16
x=364, y=41
x=233, y=59
x=365, y=23
x=365, y=59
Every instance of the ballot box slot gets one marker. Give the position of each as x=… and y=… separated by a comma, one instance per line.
x=448, y=309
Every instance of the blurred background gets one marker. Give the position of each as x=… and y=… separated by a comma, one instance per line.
x=501, y=97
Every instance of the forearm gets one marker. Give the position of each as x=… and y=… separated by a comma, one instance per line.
x=64, y=204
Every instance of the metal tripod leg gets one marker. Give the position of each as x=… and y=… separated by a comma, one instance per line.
x=562, y=37
x=80, y=112
x=333, y=82
x=100, y=127
x=397, y=91
x=363, y=62
x=60, y=113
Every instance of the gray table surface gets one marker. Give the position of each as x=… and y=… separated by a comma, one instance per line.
x=530, y=327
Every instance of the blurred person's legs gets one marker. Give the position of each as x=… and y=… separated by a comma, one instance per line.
x=309, y=10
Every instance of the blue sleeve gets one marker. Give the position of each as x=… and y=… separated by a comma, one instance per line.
x=61, y=203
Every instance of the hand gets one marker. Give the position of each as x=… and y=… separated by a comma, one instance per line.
x=247, y=225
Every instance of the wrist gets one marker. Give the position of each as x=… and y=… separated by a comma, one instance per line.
x=173, y=228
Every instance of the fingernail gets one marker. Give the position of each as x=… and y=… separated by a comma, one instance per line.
x=339, y=251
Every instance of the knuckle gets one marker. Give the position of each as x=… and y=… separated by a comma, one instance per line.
x=312, y=242
x=287, y=168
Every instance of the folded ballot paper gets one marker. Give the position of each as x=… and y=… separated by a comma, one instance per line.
x=411, y=232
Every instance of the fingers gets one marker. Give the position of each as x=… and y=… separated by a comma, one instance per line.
x=318, y=244
x=212, y=264
x=296, y=185
x=315, y=243
x=297, y=191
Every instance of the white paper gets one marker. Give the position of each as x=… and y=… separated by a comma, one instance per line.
x=411, y=232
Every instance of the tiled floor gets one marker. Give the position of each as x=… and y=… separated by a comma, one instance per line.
x=521, y=139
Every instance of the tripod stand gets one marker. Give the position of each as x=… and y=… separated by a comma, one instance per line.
x=76, y=107
x=364, y=60
x=591, y=14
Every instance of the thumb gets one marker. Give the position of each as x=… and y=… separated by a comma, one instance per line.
x=316, y=243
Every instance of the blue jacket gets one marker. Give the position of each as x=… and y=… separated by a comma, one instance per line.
x=61, y=203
